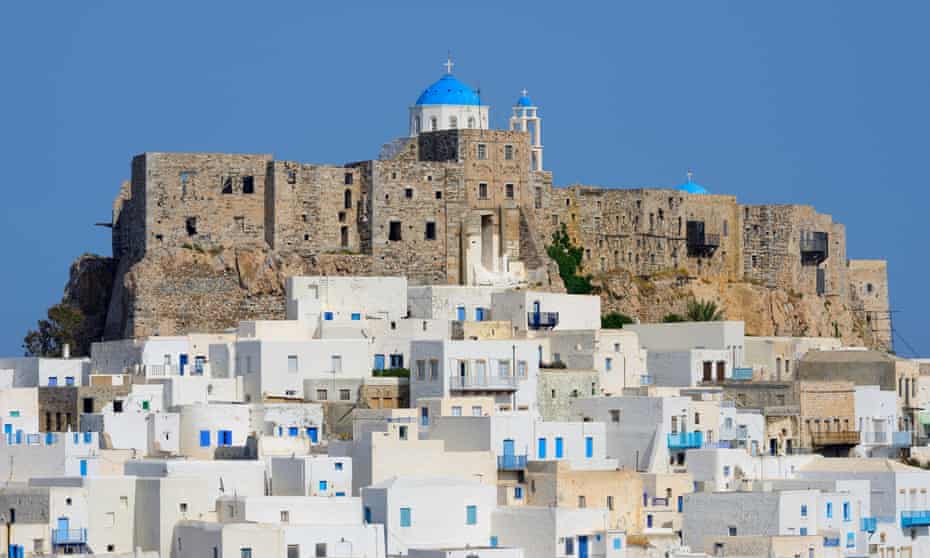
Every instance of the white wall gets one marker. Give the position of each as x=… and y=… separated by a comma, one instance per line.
x=726, y=335
x=576, y=312
x=302, y=476
x=211, y=418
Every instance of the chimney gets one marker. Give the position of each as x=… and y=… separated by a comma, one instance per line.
x=66, y=351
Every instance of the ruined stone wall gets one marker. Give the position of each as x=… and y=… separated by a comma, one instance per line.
x=868, y=289
x=644, y=231
x=772, y=256
x=208, y=200
x=312, y=208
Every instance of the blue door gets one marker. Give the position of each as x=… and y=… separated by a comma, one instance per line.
x=83, y=467
x=582, y=546
x=314, y=434
x=182, y=363
x=559, y=449
x=8, y=431
x=460, y=313
x=589, y=447
x=379, y=362
x=63, y=525
x=479, y=314
x=536, y=307
x=508, y=447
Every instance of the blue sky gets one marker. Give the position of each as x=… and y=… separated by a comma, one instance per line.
x=824, y=103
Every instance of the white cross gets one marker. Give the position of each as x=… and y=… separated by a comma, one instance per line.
x=449, y=63
x=524, y=92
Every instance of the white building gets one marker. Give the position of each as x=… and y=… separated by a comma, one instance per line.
x=722, y=335
x=877, y=422
x=431, y=512
x=311, y=476
x=537, y=312
x=776, y=358
x=19, y=410
x=689, y=368
x=313, y=300
x=556, y=531
x=504, y=369
x=25, y=372
x=614, y=353
x=452, y=302
x=49, y=454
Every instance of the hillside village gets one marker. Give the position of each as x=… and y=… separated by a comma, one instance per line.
x=420, y=356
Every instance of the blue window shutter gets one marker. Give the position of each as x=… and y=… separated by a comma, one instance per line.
x=328, y=316
x=559, y=449
x=313, y=433
x=356, y=316
x=367, y=514
x=83, y=467
x=340, y=493
x=617, y=544
x=493, y=541
x=541, y=449
x=88, y=437
x=379, y=362
x=460, y=313
x=405, y=517
x=471, y=515
x=323, y=485
x=589, y=447
x=204, y=438
x=293, y=431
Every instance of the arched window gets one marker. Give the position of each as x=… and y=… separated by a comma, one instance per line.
x=347, y=197
x=433, y=123
x=471, y=121
x=453, y=122
x=416, y=125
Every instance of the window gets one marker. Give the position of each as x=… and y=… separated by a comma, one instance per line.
x=328, y=316
x=456, y=411
x=408, y=193
x=615, y=415
x=521, y=368
x=182, y=507
x=697, y=418
x=285, y=516
x=829, y=510
x=402, y=432
x=394, y=233
x=483, y=190
x=482, y=151
x=582, y=503
x=438, y=195
x=731, y=531
x=344, y=237
x=292, y=364
x=471, y=515
x=453, y=122
x=321, y=395
x=589, y=447
x=356, y=316
x=803, y=531
x=541, y=448
x=204, y=438
x=518, y=493
x=348, y=178
x=803, y=510
x=405, y=517
x=434, y=370
x=618, y=544
x=569, y=546
x=476, y=410
x=320, y=550
x=559, y=448
x=433, y=124
x=323, y=485
x=471, y=121
x=430, y=232
x=421, y=370
x=248, y=184
x=610, y=503
x=335, y=362
x=508, y=153
x=608, y=364
x=508, y=190
x=345, y=395
x=847, y=514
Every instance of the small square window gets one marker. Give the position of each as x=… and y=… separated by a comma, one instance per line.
x=482, y=151
x=508, y=188
x=183, y=507
x=408, y=193
x=508, y=152
x=348, y=178
x=430, y=233
x=248, y=184
x=394, y=234
x=483, y=191
x=438, y=195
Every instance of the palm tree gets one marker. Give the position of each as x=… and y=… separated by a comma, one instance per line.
x=703, y=311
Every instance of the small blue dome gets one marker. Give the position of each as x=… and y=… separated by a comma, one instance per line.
x=448, y=91
x=693, y=188
x=524, y=101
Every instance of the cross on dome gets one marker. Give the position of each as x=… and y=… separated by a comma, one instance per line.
x=524, y=93
x=449, y=63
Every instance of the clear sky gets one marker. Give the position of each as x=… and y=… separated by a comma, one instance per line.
x=824, y=103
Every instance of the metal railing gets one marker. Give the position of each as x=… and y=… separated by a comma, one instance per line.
x=69, y=536
x=686, y=440
x=482, y=382
x=720, y=444
x=831, y=541
x=542, y=320
x=660, y=502
x=742, y=374
x=511, y=462
x=915, y=518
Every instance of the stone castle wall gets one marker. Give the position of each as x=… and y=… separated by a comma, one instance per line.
x=203, y=240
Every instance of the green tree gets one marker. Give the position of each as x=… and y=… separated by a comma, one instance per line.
x=568, y=257
x=615, y=320
x=673, y=318
x=64, y=325
x=703, y=311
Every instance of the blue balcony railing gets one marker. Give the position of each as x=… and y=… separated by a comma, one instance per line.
x=686, y=440
x=721, y=444
x=831, y=541
x=69, y=536
x=915, y=518
x=511, y=462
x=901, y=439
x=542, y=320
x=742, y=373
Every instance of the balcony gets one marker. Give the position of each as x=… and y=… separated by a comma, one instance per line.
x=744, y=374
x=483, y=383
x=660, y=502
x=686, y=440
x=511, y=462
x=831, y=541
x=843, y=438
x=542, y=320
x=815, y=247
x=915, y=518
x=721, y=444
x=69, y=536
x=699, y=242
x=901, y=439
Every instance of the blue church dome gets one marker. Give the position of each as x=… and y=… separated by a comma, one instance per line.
x=524, y=101
x=448, y=91
x=692, y=187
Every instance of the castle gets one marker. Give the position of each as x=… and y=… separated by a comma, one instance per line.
x=454, y=202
